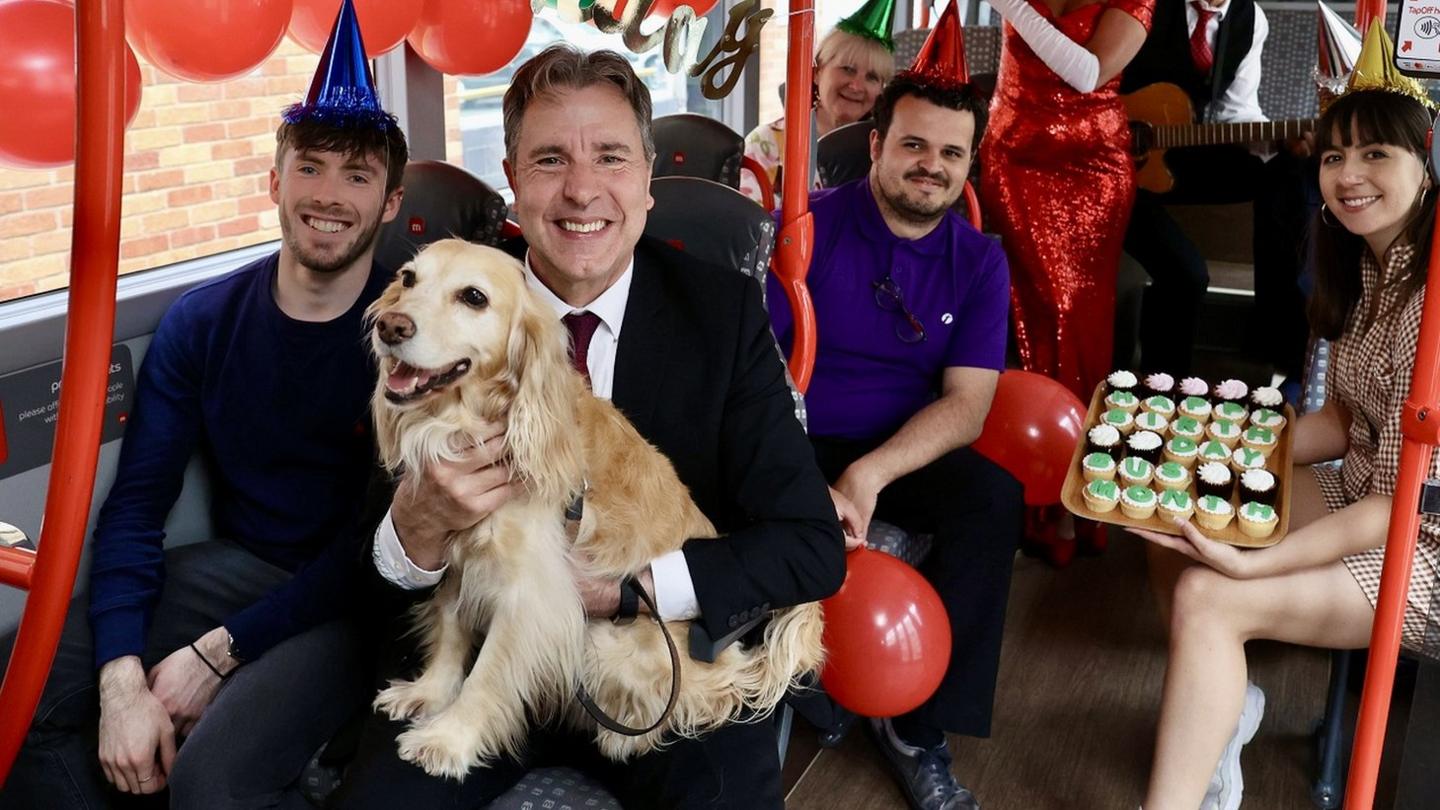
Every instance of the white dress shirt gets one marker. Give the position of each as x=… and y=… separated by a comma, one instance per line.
x=1241, y=101
x=674, y=589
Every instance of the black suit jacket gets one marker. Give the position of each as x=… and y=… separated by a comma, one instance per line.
x=697, y=373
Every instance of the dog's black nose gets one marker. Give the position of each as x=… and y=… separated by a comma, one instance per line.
x=394, y=327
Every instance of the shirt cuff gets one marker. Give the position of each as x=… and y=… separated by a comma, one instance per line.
x=395, y=566
x=674, y=590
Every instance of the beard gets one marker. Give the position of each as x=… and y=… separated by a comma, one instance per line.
x=327, y=261
x=917, y=209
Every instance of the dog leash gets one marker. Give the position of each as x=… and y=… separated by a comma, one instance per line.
x=599, y=714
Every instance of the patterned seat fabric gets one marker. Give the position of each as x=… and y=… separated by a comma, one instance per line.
x=690, y=145
x=556, y=789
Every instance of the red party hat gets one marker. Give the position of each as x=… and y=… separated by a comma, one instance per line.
x=942, y=58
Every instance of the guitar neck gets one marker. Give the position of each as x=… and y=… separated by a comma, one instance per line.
x=1168, y=137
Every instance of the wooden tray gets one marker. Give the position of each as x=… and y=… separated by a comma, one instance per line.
x=1278, y=463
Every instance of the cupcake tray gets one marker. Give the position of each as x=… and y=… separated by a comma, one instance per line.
x=1073, y=498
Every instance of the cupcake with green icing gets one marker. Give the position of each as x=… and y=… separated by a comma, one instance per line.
x=1098, y=467
x=1118, y=419
x=1152, y=421
x=1259, y=439
x=1123, y=400
x=1213, y=513
x=1136, y=471
x=1138, y=503
x=1257, y=520
x=1214, y=451
x=1171, y=475
x=1197, y=408
x=1188, y=427
x=1232, y=412
x=1175, y=504
x=1182, y=451
x=1266, y=418
x=1101, y=496
x=1243, y=458
x=1165, y=406
x=1227, y=433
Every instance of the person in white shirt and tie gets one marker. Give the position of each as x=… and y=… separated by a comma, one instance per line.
x=1211, y=49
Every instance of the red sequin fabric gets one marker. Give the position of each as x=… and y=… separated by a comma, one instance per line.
x=1057, y=183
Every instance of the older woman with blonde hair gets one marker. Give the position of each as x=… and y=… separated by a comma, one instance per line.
x=852, y=64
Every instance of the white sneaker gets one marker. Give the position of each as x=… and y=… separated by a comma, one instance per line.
x=1227, y=785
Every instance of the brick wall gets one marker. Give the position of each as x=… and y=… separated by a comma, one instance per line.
x=197, y=160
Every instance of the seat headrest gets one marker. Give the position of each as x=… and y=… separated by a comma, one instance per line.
x=843, y=153
x=690, y=145
x=713, y=223
x=441, y=200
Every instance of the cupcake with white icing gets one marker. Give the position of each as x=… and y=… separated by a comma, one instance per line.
x=1182, y=451
x=1266, y=418
x=1259, y=438
x=1188, y=427
x=1213, y=513
x=1098, y=467
x=1194, y=387
x=1258, y=486
x=1231, y=412
x=1227, y=433
x=1163, y=405
x=1105, y=439
x=1214, y=451
x=1258, y=520
x=1176, y=504
x=1101, y=496
x=1138, y=502
x=1144, y=444
x=1151, y=421
x=1197, y=408
x=1123, y=400
x=1172, y=475
x=1243, y=458
x=1136, y=471
x=1122, y=381
x=1214, y=478
x=1118, y=419
x=1267, y=396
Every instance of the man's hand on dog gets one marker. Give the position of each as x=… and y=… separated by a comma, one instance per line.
x=450, y=496
x=601, y=595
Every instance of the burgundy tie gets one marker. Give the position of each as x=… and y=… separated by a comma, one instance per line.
x=1200, y=51
x=582, y=327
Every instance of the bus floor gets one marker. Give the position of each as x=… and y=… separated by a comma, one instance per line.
x=1074, y=725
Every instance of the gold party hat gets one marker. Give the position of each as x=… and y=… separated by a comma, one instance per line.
x=1375, y=69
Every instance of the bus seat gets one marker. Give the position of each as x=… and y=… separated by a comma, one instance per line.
x=441, y=200
x=843, y=153
x=690, y=145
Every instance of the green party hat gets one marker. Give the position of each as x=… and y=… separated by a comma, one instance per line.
x=873, y=21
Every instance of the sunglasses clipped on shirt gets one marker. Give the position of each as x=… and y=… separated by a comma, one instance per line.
x=889, y=298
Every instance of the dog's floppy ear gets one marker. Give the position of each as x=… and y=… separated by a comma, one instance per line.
x=543, y=437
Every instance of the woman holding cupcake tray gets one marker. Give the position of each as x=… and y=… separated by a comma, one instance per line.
x=1319, y=587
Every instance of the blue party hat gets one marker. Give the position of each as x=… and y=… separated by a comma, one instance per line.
x=342, y=94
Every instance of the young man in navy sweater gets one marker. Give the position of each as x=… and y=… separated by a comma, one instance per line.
x=265, y=373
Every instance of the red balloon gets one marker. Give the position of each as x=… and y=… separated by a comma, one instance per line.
x=383, y=23
x=37, y=83
x=471, y=37
x=1033, y=427
x=206, y=40
x=887, y=639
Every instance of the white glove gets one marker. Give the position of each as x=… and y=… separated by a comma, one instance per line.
x=1078, y=67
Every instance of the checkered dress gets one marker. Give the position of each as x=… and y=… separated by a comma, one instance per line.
x=1370, y=376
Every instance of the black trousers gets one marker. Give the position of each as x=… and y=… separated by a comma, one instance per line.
x=736, y=767
x=1285, y=194
x=975, y=510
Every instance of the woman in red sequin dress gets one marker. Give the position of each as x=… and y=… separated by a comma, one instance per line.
x=1057, y=179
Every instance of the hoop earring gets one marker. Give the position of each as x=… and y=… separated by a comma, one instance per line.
x=1332, y=222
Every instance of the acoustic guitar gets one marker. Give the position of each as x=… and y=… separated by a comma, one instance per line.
x=1161, y=117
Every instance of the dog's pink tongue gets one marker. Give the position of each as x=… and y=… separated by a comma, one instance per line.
x=403, y=378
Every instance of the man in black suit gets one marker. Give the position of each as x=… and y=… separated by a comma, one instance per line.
x=698, y=375
x=1211, y=49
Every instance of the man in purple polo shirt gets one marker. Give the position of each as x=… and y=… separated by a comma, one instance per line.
x=911, y=305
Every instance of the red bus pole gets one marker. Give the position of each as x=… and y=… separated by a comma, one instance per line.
x=90, y=326
x=796, y=240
